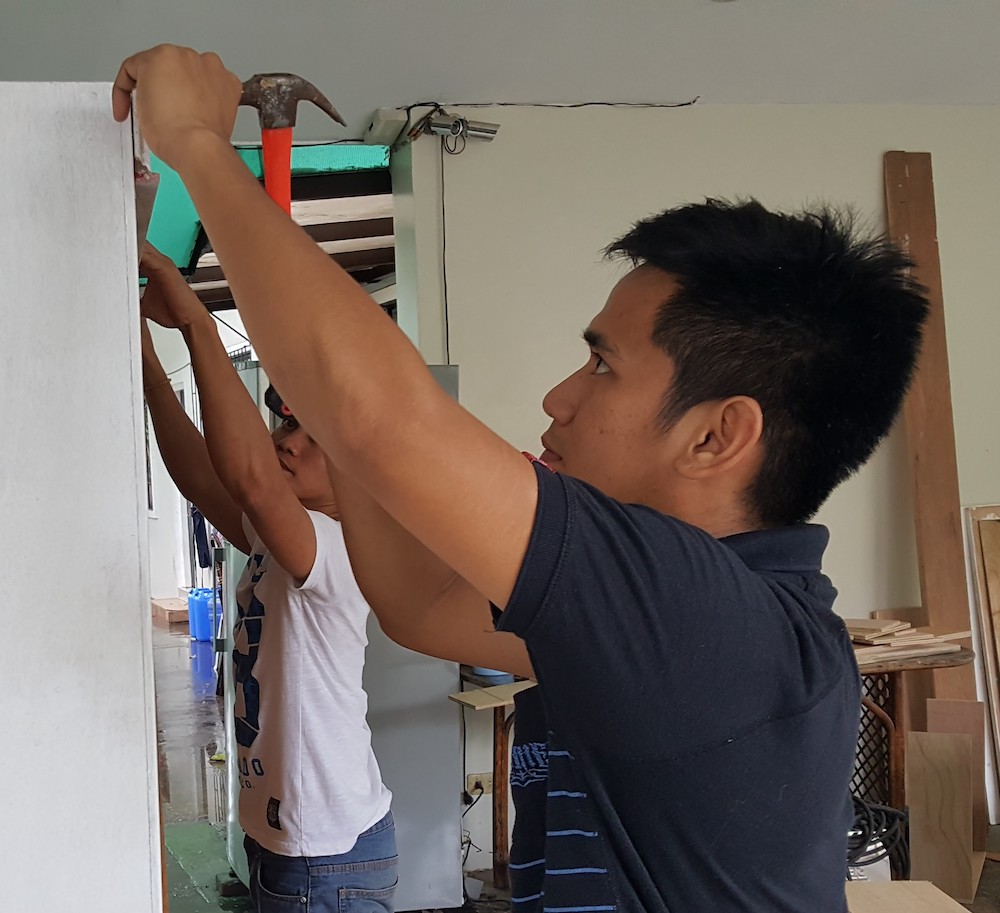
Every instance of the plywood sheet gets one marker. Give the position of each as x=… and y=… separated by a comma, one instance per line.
x=985, y=520
x=969, y=718
x=899, y=897
x=939, y=795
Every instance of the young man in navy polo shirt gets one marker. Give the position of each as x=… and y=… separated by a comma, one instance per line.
x=697, y=694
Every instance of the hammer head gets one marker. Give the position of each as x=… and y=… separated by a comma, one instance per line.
x=276, y=97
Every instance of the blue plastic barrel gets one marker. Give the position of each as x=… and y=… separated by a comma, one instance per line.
x=193, y=612
x=199, y=601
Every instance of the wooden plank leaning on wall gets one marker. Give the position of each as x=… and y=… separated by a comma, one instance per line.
x=912, y=223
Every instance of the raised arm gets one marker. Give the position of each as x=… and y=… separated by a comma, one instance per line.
x=349, y=374
x=420, y=602
x=183, y=449
x=239, y=447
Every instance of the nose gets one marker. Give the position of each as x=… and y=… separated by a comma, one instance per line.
x=560, y=402
x=290, y=441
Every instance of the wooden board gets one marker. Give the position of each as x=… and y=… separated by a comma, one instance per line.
x=881, y=654
x=899, y=897
x=488, y=698
x=969, y=718
x=875, y=625
x=912, y=222
x=939, y=795
x=987, y=519
x=915, y=687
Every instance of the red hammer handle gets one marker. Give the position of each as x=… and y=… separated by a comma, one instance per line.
x=276, y=147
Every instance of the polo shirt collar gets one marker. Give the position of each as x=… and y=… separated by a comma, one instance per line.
x=790, y=549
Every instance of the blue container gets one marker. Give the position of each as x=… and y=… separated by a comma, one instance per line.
x=193, y=613
x=198, y=612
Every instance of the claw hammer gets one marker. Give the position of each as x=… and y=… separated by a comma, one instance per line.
x=276, y=97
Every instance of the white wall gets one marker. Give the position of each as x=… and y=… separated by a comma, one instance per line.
x=528, y=214
x=79, y=753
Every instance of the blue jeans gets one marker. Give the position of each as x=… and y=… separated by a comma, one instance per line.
x=362, y=880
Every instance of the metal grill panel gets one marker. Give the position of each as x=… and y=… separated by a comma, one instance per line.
x=871, y=764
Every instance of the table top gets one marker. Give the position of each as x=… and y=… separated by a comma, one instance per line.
x=915, y=663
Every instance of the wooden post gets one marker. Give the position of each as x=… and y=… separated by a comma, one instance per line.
x=501, y=778
x=909, y=189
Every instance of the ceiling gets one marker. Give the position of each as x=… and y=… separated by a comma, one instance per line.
x=366, y=54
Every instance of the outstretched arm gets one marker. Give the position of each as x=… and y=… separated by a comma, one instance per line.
x=183, y=449
x=238, y=444
x=420, y=602
x=339, y=363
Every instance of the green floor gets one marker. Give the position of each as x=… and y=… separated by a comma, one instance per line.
x=196, y=857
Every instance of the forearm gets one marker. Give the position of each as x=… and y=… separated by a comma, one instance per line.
x=238, y=443
x=339, y=378
x=180, y=443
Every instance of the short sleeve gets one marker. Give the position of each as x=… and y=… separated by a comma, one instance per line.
x=626, y=611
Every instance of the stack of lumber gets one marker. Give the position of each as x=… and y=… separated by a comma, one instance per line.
x=879, y=640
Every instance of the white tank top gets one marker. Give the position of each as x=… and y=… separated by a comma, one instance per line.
x=310, y=783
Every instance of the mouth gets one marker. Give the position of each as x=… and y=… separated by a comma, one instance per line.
x=548, y=455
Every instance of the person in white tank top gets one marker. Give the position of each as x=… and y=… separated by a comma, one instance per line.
x=319, y=830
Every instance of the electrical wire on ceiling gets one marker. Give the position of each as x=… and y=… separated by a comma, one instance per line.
x=455, y=143
x=568, y=104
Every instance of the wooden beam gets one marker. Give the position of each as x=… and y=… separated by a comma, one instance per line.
x=912, y=221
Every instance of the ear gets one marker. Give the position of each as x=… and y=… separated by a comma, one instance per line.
x=724, y=436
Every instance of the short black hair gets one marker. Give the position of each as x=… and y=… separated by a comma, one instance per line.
x=816, y=320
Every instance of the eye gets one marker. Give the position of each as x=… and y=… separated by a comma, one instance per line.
x=289, y=424
x=600, y=365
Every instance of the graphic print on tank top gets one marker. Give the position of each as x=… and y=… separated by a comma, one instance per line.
x=246, y=645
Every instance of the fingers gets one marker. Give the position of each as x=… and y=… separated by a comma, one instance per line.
x=121, y=91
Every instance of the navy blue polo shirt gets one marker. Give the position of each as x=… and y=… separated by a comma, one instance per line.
x=699, y=701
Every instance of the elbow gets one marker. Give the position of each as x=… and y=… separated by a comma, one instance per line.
x=250, y=486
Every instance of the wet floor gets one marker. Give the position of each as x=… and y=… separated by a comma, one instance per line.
x=190, y=734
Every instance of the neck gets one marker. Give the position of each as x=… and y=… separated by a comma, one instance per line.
x=719, y=514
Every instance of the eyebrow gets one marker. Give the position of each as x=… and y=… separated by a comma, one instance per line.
x=597, y=340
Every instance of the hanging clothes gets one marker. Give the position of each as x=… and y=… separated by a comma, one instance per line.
x=200, y=537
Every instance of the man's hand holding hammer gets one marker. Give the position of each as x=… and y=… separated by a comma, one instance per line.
x=181, y=96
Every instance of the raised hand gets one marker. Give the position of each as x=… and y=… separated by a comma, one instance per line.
x=168, y=300
x=179, y=94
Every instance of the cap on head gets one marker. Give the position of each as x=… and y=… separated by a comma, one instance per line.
x=276, y=404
